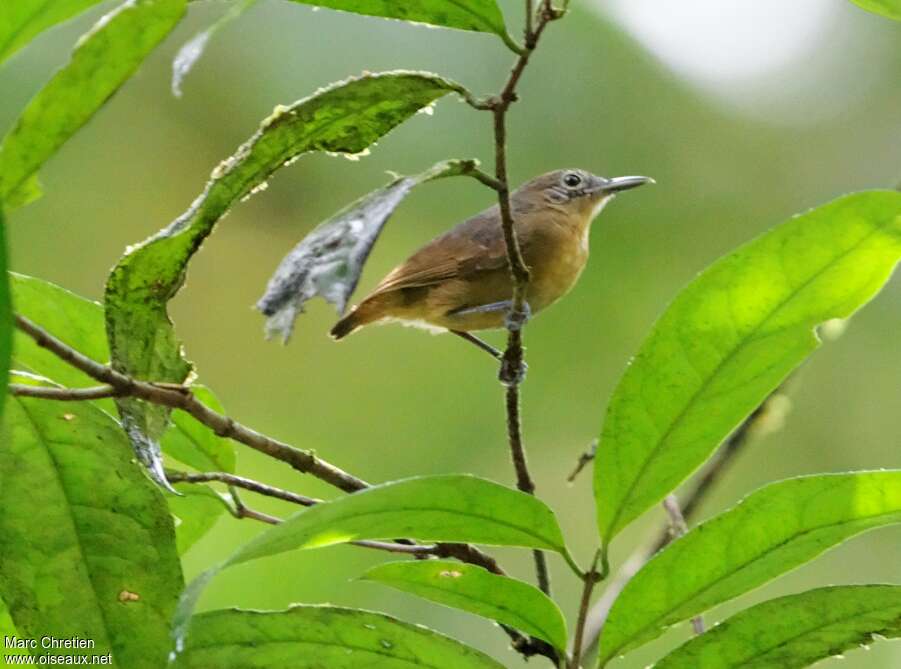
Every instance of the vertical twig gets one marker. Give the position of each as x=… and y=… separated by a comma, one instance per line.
x=678, y=528
x=512, y=363
x=592, y=578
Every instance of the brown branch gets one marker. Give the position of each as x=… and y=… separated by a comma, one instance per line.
x=182, y=398
x=512, y=363
x=241, y=482
x=62, y=394
x=592, y=578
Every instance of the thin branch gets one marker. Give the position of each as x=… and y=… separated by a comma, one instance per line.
x=184, y=399
x=241, y=482
x=63, y=394
x=592, y=578
x=678, y=528
x=586, y=457
x=512, y=363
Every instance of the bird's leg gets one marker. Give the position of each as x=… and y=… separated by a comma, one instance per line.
x=513, y=319
x=485, y=346
x=516, y=318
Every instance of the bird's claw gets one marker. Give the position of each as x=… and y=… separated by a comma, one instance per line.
x=512, y=372
x=516, y=318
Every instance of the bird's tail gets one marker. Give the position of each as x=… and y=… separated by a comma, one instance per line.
x=365, y=312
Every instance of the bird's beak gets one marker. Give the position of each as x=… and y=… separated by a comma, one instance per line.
x=616, y=184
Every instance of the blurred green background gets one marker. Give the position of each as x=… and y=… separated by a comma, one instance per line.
x=742, y=114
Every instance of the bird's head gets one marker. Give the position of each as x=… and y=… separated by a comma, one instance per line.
x=573, y=191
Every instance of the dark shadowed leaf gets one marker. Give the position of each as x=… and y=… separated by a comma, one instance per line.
x=888, y=8
x=729, y=338
x=329, y=260
x=314, y=637
x=795, y=631
x=770, y=532
x=474, y=589
x=22, y=20
x=346, y=117
x=478, y=15
x=193, y=49
x=430, y=508
x=102, y=61
x=88, y=544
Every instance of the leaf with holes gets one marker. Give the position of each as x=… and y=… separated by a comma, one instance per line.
x=344, y=118
x=476, y=590
x=729, y=338
x=328, y=261
x=102, y=61
x=795, y=631
x=772, y=531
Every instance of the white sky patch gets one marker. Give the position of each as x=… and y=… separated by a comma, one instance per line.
x=768, y=58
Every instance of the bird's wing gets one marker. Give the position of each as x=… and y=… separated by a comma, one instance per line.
x=473, y=246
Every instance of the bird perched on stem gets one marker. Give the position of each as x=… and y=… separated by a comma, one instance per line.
x=461, y=282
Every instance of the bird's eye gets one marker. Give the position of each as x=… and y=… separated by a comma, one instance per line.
x=572, y=180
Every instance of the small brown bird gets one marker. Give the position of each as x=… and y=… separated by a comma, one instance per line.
x=460, y=281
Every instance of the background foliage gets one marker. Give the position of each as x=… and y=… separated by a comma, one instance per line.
x=392, y=403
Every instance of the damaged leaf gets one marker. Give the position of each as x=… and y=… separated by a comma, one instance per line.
x=328, y=261
x=103, y=59
x=193, y=49
x=346, y=117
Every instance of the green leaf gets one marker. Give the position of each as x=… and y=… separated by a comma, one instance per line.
x=328, y=261
x=75, y=320
x=729, y=339
x=345, y=118
x=888, y=8
x=474, y=589
x=8, y=629
x=476, y=15
x=313, y=637
x=430, y=508
x=102, y=61
x=795, y=631
x=80, y=324
x=6, y=315
x=88, y=545
x=770, y=532
x=22, y=20
x=196, y=509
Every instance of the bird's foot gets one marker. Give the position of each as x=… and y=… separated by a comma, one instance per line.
x=517, y=318
x=513, y=369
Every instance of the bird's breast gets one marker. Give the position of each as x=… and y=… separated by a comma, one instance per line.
x=557, y=267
